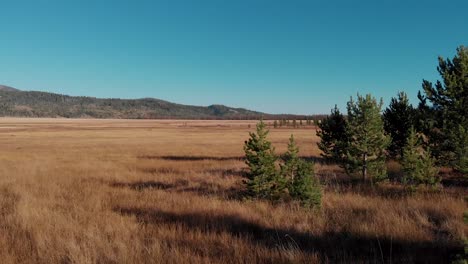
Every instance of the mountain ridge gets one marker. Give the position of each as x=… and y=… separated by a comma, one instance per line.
x=8, y=88
x=18, y=103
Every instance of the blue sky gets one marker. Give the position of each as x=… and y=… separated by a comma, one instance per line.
x=273, y=56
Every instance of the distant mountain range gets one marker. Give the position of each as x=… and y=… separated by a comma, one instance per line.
x=17, y=103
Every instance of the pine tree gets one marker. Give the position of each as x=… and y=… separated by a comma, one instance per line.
x=333, y=137
x=417, y=163
x=299, y=175
x=261, y=158
x=399, y=117
x=410, y=157
x=306, y=187
x=448, y=109
x=367, y=139
x=461, y=150
x=291, y=160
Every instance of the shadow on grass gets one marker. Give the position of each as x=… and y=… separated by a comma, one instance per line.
x=217, y=172
x=331, y=246
x=139, y=186
x=451, y=178
x=387, y=190
x=161, y=170
x=190, y=158
x=142, y=185
x=228, y=172
x=202, y=188
x=392, y=189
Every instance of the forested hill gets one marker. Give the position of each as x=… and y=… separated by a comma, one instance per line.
x=7, y=88
x=16, y=103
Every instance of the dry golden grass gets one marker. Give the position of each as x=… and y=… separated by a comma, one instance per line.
x=120, y=191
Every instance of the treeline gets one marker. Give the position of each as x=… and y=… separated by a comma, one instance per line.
x=297, y=123
x=42, y=104
x=16, y=103
x=421, y=138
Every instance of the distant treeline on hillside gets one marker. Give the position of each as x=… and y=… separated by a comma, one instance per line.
x=16, y=103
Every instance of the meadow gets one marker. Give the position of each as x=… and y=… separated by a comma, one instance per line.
x=146, y=191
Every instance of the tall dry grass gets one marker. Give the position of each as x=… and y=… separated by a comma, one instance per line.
x=119, y=191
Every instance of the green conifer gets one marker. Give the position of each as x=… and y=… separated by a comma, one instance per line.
x=417, y=163
x=367, y=139
x=460, y=161
x=399, y=117
x=448, y=109
x=299, y=176
x=260, y=158
x=333, y=137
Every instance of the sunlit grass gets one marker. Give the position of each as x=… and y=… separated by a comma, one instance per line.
x=119, y=191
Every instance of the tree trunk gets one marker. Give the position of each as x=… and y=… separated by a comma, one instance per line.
x=364, y=166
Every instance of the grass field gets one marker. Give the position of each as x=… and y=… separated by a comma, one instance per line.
x=131, y=191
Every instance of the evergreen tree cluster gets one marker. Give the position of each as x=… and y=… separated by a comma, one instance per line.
x=361, y=143
x=294, y=179
x=435, y=133
x=357, y=142
x=446, y=111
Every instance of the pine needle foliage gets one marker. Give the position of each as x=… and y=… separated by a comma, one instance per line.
x=447, y=112
x=333, y=137
x=399, y=117
x=417, y=163
x=460, y=161
x=366, y=149
x=294, y=180
x=299, y=174
x=263, y=178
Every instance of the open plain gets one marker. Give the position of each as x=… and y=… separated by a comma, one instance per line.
x=146, y=191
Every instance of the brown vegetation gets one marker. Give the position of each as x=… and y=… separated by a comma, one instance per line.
x=120, y=191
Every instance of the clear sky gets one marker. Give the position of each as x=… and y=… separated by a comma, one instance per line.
x=273, y=56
